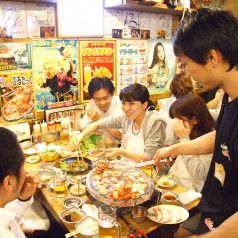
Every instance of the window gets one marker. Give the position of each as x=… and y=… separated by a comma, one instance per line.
x=80, y=18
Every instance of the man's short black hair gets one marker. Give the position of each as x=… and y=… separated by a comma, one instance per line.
x=204, y=30
x=100, y=83
x=11, y=155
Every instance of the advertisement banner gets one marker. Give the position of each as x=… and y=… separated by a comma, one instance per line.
x=161, y=65
x=17, y=95
x=55, y=72
x=97, y=59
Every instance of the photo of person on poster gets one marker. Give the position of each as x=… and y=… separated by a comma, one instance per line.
x=58, y=78
x=159, y=70
x=161, y=65
x=55, y=72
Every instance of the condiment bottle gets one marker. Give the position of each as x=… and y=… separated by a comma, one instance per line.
x=36, y=134
x=57, y=128
x=44, y=131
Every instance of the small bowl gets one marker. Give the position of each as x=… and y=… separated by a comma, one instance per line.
x=30, y=151
x=139, y=214
x=72, y=202
x=33, y=159
x=46, y=173
x=72, y=215
x=72, y=180
x=49, y=156
x=87, y=226
x=169, y=197
x=77, y=189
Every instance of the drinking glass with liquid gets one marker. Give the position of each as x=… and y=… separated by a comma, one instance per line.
x=108, y=225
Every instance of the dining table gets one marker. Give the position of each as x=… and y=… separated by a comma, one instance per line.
x=55, y=206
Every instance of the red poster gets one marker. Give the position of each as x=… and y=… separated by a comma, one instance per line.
x=97, y=59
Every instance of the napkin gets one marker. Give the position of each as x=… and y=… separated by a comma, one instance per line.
x=189, y=196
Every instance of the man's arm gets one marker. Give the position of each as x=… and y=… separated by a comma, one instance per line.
x=202, y=145
x=227, y=229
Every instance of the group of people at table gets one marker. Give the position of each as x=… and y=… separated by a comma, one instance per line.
x=205, y=153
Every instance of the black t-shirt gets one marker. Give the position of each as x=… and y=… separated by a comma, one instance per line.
x=209, y=95
x=58, y=92
x=221, y=201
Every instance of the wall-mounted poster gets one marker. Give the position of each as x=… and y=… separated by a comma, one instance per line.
x=40, y=20
x=131, y=62
x=13, y=20
x=161, y=65
x=15, y=55
x=97, y=59
x=17, y=95
x=55, y=71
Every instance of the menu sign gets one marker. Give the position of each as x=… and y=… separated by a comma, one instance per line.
x=132, y=62
x=97, y=59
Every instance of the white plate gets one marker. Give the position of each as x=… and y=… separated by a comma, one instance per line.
x=168, y=214
x=165, y=182
x=33, y=159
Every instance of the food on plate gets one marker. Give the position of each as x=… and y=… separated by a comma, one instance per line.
x=73, y=165
x=101, y=165
x=32, y=159
x=48, y=153
x=77, y=189
x=169, y=196
x=46, y=172
x=117, y=186
x=124, y=193
x=165, y=181
x=73, y=215
x=168, y=214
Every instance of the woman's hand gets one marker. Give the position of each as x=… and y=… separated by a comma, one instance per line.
x=29, y=187
x=111, y=153
x=76, y=140
x=181, y=128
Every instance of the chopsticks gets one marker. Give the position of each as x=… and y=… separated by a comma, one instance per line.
x=72, y=233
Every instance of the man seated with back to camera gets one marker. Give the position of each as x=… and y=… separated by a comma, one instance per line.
x=16, y=186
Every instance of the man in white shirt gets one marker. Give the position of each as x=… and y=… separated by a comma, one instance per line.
x=16, y=187
x=102, y=104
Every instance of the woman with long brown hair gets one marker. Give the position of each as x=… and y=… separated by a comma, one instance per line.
x=191, y=119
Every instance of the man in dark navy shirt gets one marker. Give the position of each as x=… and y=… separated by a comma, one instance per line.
x=206, y=41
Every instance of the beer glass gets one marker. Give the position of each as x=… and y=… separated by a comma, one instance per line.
x=108, y=226
x=58, y=186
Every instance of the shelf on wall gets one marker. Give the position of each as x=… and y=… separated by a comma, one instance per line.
x=151, y=6
x=15, y=40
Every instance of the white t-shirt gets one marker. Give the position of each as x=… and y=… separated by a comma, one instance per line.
x=10, y=216
x=114, y=109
